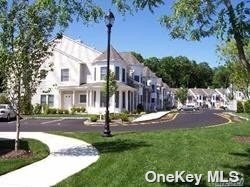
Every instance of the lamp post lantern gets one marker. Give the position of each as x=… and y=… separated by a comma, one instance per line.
x=109, y=21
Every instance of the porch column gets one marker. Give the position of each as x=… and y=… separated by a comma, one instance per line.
x=120, y=100
x=60, y=100
x=126, y=99
x=87, y=98
x=90, y=99
x=113, y=102
x=73, y=97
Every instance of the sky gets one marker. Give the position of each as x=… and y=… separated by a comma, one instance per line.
x=143, y=34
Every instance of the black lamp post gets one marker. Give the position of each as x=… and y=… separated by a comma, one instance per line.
x=109, y=21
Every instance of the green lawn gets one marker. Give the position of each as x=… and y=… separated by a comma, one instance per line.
x=126, y=157
x=38, y=149
x=246, y=115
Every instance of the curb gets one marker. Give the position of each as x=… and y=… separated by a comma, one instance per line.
x=84, y=118
x=235, y=115
x=134, y=121
x=67, y=157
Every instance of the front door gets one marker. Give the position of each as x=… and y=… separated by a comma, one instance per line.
x=67, y=101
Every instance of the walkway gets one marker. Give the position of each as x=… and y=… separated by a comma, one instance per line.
x=151, y=116
x=67, y=157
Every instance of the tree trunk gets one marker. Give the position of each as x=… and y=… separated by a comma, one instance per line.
x=237, y=35
x=17, y=130
x=18, y=115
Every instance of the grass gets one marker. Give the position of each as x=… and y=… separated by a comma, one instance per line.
x=38, y=149
x=126, y=157
x=246, y=115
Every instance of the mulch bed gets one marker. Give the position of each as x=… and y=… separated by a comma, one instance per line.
x=11, y=154
x=168, y=116
x=242, y=139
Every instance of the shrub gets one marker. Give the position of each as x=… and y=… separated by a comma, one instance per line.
x=37, y=109
x=78, y=110
x=66, y=111
x=240, y=108
x=140, y=108
x=59, y=111
x=114, y=116
x=82, y=109
x=4, y=100
x=125, y=111
x=45, y=109
x=26, y=106
x=52, y=111
x=73, y=110
x=135, y=112
x=247, y=106
x=93, y=118
x=124, y=117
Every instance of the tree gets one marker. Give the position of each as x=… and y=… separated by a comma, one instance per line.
x=238, y=75
x=138, y=56
x=25, y=30
x=194, y=20
x=112, y=84
x=221, y=78
x=182, y=94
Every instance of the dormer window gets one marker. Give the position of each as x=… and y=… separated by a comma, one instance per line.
x=64, y=75
x=103, y=73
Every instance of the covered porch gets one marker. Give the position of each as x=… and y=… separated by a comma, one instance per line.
x=91, y=96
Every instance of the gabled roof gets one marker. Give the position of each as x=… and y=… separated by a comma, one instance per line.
x=114, y=55
x=209, y=91
x=130, y=58
x=221, y=91
x=197, y=91
x=76, y=50
x=146, y=71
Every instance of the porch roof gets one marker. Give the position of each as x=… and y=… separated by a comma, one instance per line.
x=94, y=85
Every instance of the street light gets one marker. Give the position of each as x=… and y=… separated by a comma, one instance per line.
x=109, y=21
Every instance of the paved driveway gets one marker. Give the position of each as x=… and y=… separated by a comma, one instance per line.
x=183, y=120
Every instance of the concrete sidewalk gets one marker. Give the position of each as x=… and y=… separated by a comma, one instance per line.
x=67, y=157
x=151, y=116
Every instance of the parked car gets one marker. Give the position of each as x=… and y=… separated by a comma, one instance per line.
x=7, y=112
x=224, y=107
x=189, y=107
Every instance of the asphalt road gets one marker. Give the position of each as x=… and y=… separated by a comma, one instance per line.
x=183, y=120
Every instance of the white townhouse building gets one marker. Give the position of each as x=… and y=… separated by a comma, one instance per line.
x=78, y=77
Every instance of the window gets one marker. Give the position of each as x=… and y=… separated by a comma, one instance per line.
x=43, y=99
x=153, y=88
x=94, y=98
x=103, y=72
x=152, y=100
x=64, y=75
x=94, y=74
x=123, y=75
x=137, y=78
x=117, y=99
x=83, y=98
x=51, y=100
x=117, y=73
x=123, y=100
x=102, y=99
